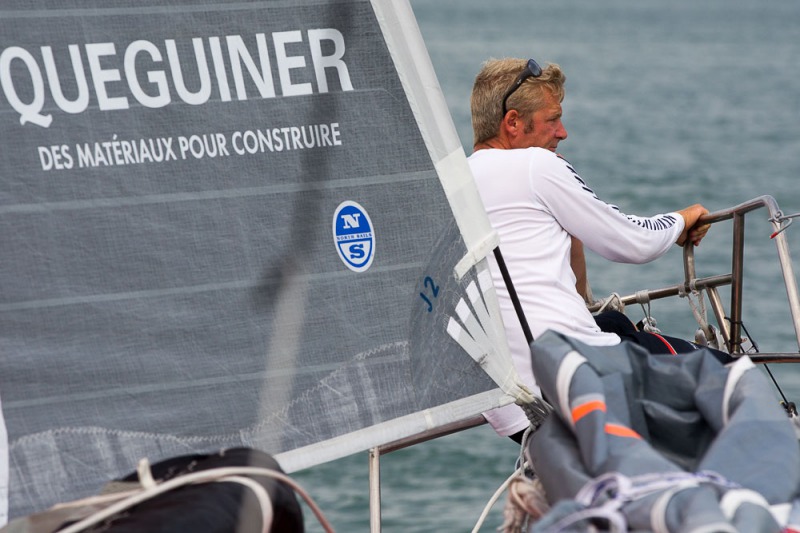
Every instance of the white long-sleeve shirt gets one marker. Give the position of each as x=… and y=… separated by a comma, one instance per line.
x=536, y=202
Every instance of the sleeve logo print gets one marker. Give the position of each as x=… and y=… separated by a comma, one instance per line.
x=662, y=222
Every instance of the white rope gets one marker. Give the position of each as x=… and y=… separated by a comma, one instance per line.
x=699, y=308
x=649, y=323
x=643, y=297
x=701, y=316
x=264, y=501
x=145, y=475
x=521, y=465
x=194, y=478
x=537, y=412
x=605, y=495
x=496, y=496
x=609, y=303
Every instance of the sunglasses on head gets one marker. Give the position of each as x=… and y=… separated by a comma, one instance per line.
x=532, y=70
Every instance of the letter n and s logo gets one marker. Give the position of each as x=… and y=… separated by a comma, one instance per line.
x=350, y=221
x=354, y=236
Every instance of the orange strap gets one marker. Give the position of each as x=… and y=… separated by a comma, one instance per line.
x=621, y=431
x=584, y=409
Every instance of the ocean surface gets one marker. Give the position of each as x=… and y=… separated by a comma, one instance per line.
x=668, y=104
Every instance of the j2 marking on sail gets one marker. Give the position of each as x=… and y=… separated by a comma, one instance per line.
x=429, y=284
x=354, y=236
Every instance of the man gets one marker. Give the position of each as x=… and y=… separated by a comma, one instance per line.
x=544, y=213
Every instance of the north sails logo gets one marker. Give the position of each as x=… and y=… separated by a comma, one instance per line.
x=354, y=236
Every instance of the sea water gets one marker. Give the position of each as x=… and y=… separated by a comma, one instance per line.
x=669, y=103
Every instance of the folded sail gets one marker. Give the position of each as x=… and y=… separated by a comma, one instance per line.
x=247, y=223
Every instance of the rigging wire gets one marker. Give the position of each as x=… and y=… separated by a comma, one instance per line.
x=790, y=408
x=783, y=222
x=512, y=293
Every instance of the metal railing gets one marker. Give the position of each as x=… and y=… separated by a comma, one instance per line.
x=375, y=461
x=729, y=324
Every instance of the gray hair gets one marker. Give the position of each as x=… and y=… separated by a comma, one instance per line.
x=491, y=84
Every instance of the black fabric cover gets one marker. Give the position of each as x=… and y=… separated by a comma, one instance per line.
x=209, y=507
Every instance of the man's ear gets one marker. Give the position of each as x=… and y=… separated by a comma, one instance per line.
x=511, y=123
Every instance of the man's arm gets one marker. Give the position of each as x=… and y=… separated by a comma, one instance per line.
x=577, y=260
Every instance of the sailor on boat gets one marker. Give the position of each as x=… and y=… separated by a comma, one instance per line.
x=544, y=213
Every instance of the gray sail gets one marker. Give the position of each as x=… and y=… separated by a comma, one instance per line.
x=235, y=224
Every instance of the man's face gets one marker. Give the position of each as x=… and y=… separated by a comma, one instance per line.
x=544, y=128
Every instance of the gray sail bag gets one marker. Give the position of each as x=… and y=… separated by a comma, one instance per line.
x=660, y=443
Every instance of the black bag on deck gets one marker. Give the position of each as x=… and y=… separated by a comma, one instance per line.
x=241, y=503
x=210, y=507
